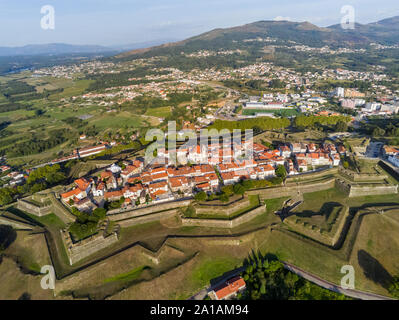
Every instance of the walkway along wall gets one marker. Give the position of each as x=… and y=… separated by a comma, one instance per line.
x=149, y=210
x=133, y=221
x=215, y=223
x=280, y=192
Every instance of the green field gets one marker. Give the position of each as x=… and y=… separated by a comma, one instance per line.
x=128, y=276
x=112, y=121
x=161, y=112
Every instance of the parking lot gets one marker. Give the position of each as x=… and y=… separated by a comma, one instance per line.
x=374, y=150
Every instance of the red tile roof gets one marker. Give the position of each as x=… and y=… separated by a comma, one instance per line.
x=232, y=286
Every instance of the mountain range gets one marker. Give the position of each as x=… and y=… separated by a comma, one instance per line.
x=385, y=32
x=64, y=49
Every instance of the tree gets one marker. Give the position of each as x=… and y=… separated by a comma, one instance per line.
x=100, y=213
x=341, y=126
x=224, y=198
x=6, y=196
x=239, y=189
x=378, y=132
x=200, y=196
x=281, y=172
x=394, y=288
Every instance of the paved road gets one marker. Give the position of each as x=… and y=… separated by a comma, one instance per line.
x=304, y=274
x=330, y=286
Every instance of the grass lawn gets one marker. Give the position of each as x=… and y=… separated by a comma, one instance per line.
x=128, y=276
x=273, y=205
x=49, y=220
x=122, y=120
x=161, y=112
x=210, y=268
x=253, y=203
x=376, y=251
x=75, y=89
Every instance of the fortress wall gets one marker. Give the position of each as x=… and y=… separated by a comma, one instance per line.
x=133, y=221
x=214, y=223
x=359, y=191
x=224, y=210
x=280, y=192
x=85, y=248
x=60, y=210
x=315, y=175
x=149, y=210
x=343, y=186
x=33, y=209
x=15, y=224
x=356, y=177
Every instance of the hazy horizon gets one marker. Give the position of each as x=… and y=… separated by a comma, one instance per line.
x=123, y=22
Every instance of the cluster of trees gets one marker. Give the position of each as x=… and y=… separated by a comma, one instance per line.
x=39, y=179
x=142, y=103
x=379, y=127
x=50, y=175
x=267, y=279
x=37, y=144
x=242, y=187
x=103, y=81
x=114, y=204
x=35, y=95
x=277, y=84
x=262, y=123
x=303, y=122
x=7, y=196
x=15, y=87
x=12, y=106
x=86, y=224
x=16, y=90
x=117, y=149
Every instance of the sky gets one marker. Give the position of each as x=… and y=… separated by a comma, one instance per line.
x=122, y=22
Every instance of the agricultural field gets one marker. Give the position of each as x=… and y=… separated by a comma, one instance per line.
x=161, y=112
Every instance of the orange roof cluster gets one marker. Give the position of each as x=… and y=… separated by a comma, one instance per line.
x=70, y=194
x=178, y=182
x=228, y=176
x=106, y=175
x=82, y=184
x=113, y=194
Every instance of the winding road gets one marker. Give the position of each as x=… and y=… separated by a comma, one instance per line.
x=357, y=294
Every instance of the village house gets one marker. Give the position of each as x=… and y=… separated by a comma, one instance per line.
x=179, y=184
x=285, y=151
x=298, y=147
x=113, y=195
x=302, y=165
x=229, y=178
x=229, y=289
